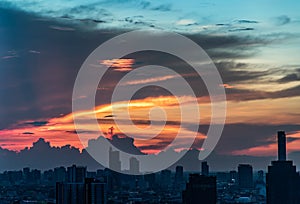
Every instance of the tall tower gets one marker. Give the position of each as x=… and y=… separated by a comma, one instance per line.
x=204, y=168
x=134, y=165
x=281, y=139
x=114, y=160
x=283, y=180
x=245, y=176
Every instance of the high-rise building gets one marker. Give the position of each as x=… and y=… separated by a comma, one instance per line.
x=114, y=160
x=200, y=189
x=204, y=168
x=233, y=177
x=76, y=174
x=60, y=174
x=179, y=183
x=260, y=177
x=283, y=181
x=165, y=179
x=281, y=146
x=26, y=174
x=150, y=179
x=91, y=191
x=134, y=165
x=245, y=176
x=179, y=174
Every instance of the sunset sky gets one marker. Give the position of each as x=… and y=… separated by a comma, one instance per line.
x=254, y=44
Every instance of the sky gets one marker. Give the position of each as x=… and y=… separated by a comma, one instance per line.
x=254, y=45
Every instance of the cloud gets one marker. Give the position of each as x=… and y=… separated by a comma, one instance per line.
x=149, y=80
x=35, y=123
x=186, y=22
x=121, y=65
x=62, y=28
x=239, y=137
x=162, y=7
x=109, y=116
x=28, y=133
x=34, y=52
x=240, y=29
x=226, y=86
x=42, y=155
x=9, y=57
x=247, y=21
x=282, y=20
x=289, y=78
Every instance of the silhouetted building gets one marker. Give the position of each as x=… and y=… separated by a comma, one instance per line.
x=76, y=174
x=200, y=189
x=60, y=174
x=233, y=176
x=245, y=176
x=165, y=179
x=260, y=177
x=204, y=168
x=134, y=166
x=281, y=146
x=35, y=176
x=179, y=174
x=283, y=181
x=114, y=160
x=26, y=174
x=150, y=180
x=91, y=191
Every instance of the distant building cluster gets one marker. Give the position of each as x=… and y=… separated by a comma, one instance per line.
x=76, y=185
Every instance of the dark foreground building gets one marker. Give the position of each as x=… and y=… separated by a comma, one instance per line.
x=200, y=189
x=90, y=191
x=245, y=176
x=283, y=181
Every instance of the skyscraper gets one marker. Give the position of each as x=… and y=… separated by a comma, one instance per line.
x=76, y=174
x=114, y=160
x=200, y=189
x=91, y=191
x=245, y=176
x=283, y=181
x=281, y=146
x=134, y=165
x=165, y=179
x=204, y=168
x=179, y=174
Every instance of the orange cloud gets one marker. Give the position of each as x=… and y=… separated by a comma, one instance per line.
x=122, y=65
x=149, y=80
x=60, y=130
x=226, y=86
